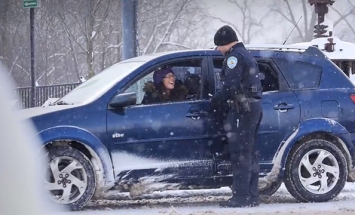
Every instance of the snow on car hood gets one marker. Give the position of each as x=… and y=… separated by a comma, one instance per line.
x=37, y=111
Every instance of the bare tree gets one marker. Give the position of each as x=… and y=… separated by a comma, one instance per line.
x=157, y=35
x=76, y=38
x=46, y=31
x=83, y=28
x=4, y=5
x=14, y=40
x=109, y=47
x=192, y=30
x=345, y=16
x=247, y=23
x=290, y=10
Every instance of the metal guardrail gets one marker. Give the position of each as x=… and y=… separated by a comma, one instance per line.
x=43, y=93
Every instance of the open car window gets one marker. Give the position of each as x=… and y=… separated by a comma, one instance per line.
x=268, y=76
x=188, y=74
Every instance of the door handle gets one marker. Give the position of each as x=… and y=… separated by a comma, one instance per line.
x=192, y=115
x=203, y=113
x=196, y=114
x=283, y=107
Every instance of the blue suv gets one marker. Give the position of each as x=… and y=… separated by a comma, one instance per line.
x=100, y=138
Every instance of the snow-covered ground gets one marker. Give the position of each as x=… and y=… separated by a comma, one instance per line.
x=205, y=202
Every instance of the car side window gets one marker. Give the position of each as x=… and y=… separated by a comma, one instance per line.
x=217, y=68
x=300, y=75
x=187, y=86
x=268, y=75
x=138, y=87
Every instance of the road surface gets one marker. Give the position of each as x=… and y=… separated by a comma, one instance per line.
x=206, y=203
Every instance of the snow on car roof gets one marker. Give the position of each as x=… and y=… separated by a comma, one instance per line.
x=342, y=50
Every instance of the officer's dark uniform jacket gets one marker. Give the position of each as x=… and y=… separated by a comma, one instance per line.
x=240, y=79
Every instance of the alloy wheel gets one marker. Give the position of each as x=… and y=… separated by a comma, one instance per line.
x=318, y=171
x=67, y=180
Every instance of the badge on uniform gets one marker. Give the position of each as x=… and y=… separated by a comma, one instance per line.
x=232, y=62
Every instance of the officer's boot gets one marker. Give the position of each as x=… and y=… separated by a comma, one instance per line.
x=254, y=181
x=239, y=201
x=254, y=191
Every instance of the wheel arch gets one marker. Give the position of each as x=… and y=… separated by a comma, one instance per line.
x=319, y=128
x=335, y=139
x=89, y=145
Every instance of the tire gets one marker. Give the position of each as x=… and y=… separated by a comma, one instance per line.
x=70, y=171
x=271, y=190
x=314, y=149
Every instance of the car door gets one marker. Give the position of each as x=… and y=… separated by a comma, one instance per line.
x=281, y=109
x=167, y=138
x=281, y=115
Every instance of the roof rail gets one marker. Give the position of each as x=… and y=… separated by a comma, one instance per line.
x=276, y=46
x=309, y=50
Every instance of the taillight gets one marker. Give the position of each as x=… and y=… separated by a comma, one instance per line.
x=352, y=96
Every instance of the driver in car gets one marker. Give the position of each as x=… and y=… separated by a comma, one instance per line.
x=165, y=88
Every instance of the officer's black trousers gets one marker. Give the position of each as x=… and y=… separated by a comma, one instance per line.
x=242, y=133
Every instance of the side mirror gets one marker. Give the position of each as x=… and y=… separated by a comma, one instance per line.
x=123, y=100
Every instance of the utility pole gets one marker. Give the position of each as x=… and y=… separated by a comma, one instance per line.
x=129, y=28
x=321, y=8
x=32, y=4
x=33, y=74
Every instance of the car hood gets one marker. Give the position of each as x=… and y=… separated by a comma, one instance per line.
x=37, y=111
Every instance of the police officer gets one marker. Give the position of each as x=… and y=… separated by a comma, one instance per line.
x=241, y=87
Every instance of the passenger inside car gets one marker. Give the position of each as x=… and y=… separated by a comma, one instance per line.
x=192, y=83
x=164, y=88
x=269, y=81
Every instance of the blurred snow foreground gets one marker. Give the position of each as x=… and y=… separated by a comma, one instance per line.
x=21, y=160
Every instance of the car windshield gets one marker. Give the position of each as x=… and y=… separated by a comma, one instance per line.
x=100, y=83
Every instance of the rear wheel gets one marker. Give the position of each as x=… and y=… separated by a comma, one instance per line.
x=316, y=171
x=70, y=179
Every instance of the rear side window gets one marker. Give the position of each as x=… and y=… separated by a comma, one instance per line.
x=300, y=75
x=217, y=69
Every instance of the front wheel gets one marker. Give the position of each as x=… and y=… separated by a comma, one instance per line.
x=71, y=179
x=316, y=171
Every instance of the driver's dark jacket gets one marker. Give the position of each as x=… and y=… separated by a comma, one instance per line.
x=241, y=83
